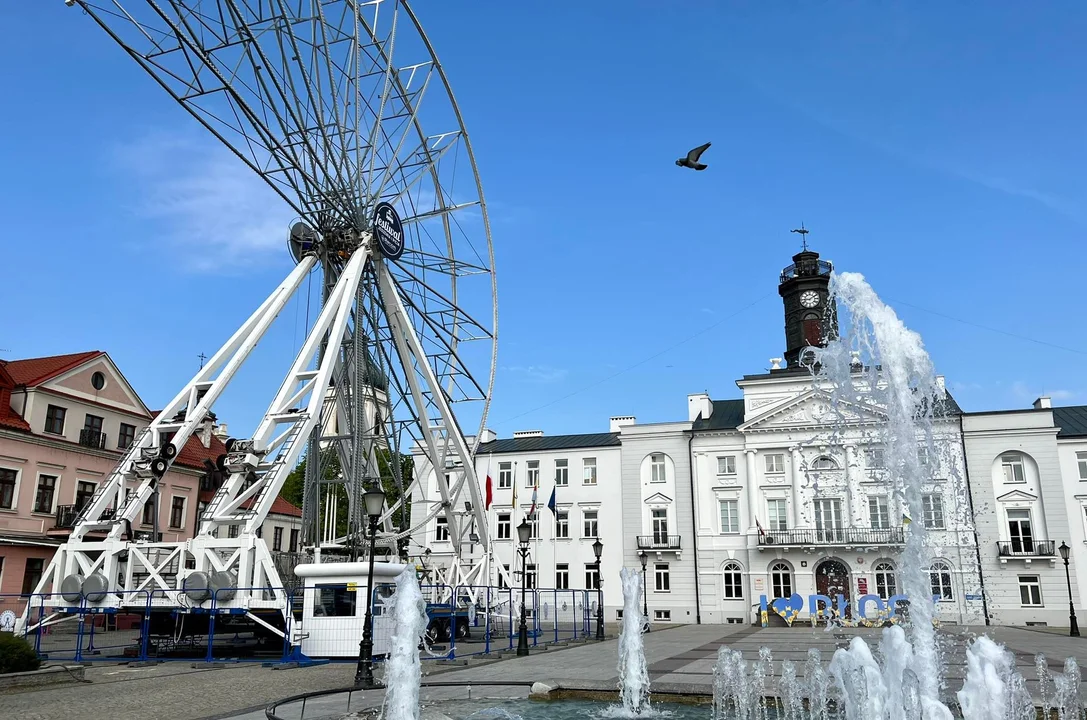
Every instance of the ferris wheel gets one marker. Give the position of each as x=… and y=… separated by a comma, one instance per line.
x=343, y=109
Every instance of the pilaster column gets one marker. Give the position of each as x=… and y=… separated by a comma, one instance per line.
x=798, y=478
x=850, y=471
x=752, y=490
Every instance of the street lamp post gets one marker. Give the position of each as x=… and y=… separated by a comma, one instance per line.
x=524, y=534
x=645, y=594
x=598, y=550
x=364, y=670
x=1073, y=625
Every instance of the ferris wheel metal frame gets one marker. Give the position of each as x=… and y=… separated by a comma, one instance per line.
x=308, y=95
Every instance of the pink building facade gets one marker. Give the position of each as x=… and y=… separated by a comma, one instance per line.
x=64, y=423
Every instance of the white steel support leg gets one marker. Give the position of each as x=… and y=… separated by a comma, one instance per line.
x=195, y=399
x=411, y=352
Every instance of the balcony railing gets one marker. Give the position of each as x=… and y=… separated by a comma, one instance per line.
x=806, y=268
x=658, y=542
x=92, y=438
x=67, y=515
x=1025, y=548
x=834, y=536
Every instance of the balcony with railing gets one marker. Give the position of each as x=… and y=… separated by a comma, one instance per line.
x=658, y=542
x=95, y=439
x=833, y=536
x=1025, y=548
x=807, y=267
x=66, y=516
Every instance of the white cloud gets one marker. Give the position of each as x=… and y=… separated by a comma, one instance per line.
x=1023, y=392
x=216, y=213
x=538, y=373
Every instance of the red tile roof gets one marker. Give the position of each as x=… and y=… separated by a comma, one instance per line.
x=34, y=371
x=13, y=421
x=9, y=418
x=279, y=506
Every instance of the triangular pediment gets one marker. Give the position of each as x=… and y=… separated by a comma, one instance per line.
x=1017, y=496
x=79, y=382
x=814, y=409
x=658, y=499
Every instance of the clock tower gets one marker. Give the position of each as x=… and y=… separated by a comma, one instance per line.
x=810, y=317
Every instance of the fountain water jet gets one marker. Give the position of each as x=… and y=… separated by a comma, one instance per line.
x=403, y=671
x=633, y=671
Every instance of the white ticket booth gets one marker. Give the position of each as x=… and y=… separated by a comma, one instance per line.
x=334, y=609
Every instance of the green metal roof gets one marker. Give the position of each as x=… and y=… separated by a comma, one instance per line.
x=727, y=415
x=549, y=442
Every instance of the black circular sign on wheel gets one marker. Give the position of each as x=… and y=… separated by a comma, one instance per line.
x=388, y=230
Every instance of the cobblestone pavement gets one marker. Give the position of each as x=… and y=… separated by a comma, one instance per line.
x=680, y=660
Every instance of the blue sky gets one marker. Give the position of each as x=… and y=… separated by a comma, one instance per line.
x=939, y=151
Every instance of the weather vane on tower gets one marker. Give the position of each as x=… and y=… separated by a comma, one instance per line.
x=803, y=236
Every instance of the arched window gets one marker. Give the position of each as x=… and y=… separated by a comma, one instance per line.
x=813, y=330
x=781, y=580
x=734, y=581
x=824, y=463
x=940, y=578
x=886, y=583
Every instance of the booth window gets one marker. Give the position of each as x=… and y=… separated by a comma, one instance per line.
x=334, y=601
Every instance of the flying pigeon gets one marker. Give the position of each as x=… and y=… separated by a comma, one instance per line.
x=691, y=161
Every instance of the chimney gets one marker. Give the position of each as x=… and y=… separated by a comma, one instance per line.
x=941, y=383
x=487, y=435
x=220, y=432
x=527, y=434
x=620, y=421
x=1043, y=403
x=699, y=404
x=205, y=429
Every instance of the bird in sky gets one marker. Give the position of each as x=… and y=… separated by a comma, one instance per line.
x=691, y=161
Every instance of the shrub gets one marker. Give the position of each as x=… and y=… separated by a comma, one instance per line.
x=16, y=655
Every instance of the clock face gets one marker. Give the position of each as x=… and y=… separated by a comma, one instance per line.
x=809, y=298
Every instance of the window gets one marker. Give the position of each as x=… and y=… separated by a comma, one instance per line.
x=656, y=467
x=776, y=510
x=1020, y=532
x=886, y=584
x=589, y=472
x=530, y=576
x=1030, y=590
x=83, y=493
x=562, y=473
x=1081, y=459
x=922, y=454
x=733, y=580
x=148, y=512
x=126, y=436
x=7, y=488
x=775, y=463
x=504, y=529
x=781, y=580
x=232, y=531
x=1012, y=465
x=177, y=512
x=533, y=478
x=334, y=601
x=505, y=475
x=562, y=576
x=293, y=546
x=534, y=526
x=824, y=463
x=589, y=526
x=98, y=381
x=32, y=574
x=277, y=539
x=662, y=580
x=878, y=513
x=726, y=465
x=592, y=577
x=441, y=530
x=933, y=506
x=562, y=524
x=54, y=420
x=813, y=330
x=43, y=499
x=92, y=423
x=828, y=520
x=730, y=516
x=660, y=526
x=940, y=579
x=662, y=615
x=874, y=458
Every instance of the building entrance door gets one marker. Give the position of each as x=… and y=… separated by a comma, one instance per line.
x=832, y=580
